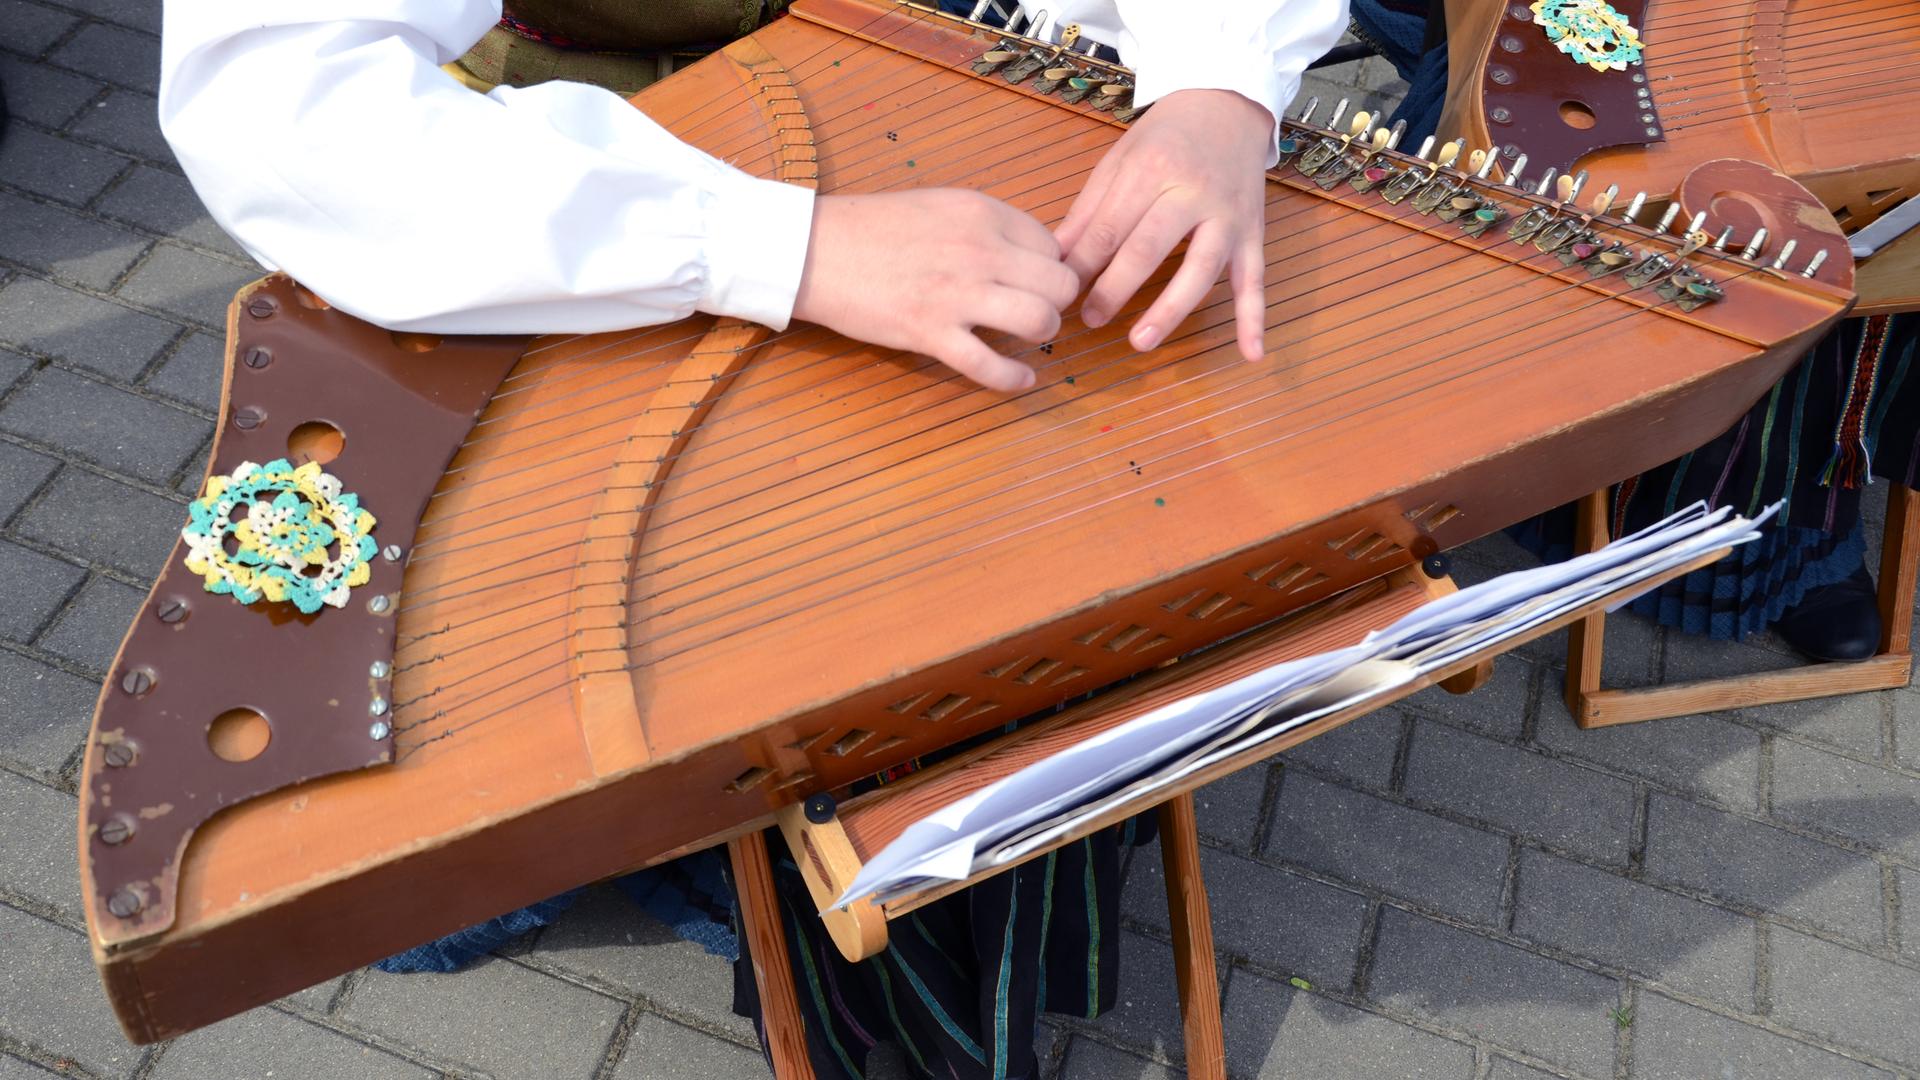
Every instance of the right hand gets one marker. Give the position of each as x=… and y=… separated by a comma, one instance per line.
x=920, y=270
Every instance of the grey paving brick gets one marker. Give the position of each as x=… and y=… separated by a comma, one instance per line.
x=13, y=365
x=79, y=329
x=1406, y=852
x=1498, y=709
x=1690, y=656
x=165, y=203
x=607, y=937
x=1274, y=1030
x=32, y=27
x=101, y=519
x=1361, y=750
x=12, y=1068
x=1848, y=997
x=1907, y=881
x=1833, y=794
x=1228, y=809
x=41, y=94
x=318, y=996
x=1906, y=727
x=113, y=54
x=119, y=430
x=35, y=587
x=1848, y=721
x=265, y=1043
x=89, y=631
x=64, y=244
x=22, y=471
x=58, y=168
x=1764, y=867
x=193, y=373
x=1683, y=943
x=36, y=847
x=1146, y=1011
x=50, y=998
x=660, y=1049
x=139, y=14
x=187, y=284
x=1089, y=1060
x=193, y=474
x=126, y=120
x=1491, y=990
x=1702, y=755
x=1281, y=921
x=1509, y=1069
x=1523, y=792
x=496, y=1016
x=1675, y=1041
x=43, y=712
x=1628, y=656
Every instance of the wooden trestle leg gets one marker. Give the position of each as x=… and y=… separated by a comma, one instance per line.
x=1890, y=668
x=1192, y=921
x=785, y=1031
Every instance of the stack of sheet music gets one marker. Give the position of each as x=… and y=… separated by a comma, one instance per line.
x=1025, y=811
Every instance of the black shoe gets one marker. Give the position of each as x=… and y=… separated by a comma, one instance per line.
x=1840, y=621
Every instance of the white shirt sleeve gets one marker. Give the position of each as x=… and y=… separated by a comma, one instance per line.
x=326, y=140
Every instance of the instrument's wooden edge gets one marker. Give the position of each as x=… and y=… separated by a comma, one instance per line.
x=1470, y=29
x=871, y=823
x=1889, y=282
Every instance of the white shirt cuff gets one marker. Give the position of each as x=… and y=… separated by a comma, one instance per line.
x=756, y=246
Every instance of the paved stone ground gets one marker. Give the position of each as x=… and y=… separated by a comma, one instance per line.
x=1460, y=888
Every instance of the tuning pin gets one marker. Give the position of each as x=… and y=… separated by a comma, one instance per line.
x=1306, y=114
x=979, y=9
x=1633, y=208
x=1579, y=183
x=1513, y=172
x=1694, y=226
x=1450, y=153
x=1482, y=163
x=1786, y=252
x=1393, y=138
x=1720, y=243
x=1339, y=111
x=1812, y=267
x=1603, y=202
x=1426, y=148
x=1546, y=182
x=1666, y=219
x=1755, y=246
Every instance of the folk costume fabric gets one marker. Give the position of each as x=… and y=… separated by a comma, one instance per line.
x=1845, y=415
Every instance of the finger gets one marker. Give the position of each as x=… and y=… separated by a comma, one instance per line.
x=1148, y=244
x=1020, y=313
x=1047, y=278
x=1089, y=199
x=1110, y=229
x=1206, y=257
x=971, y=357
x=1250, y=296
x=1025, y=231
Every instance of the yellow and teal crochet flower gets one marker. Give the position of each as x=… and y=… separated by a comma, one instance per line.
x=296, y=536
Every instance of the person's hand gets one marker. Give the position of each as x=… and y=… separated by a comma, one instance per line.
x=1193, y=165
x=920, y=270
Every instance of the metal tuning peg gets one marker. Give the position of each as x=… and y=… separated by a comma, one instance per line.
x=1513, y=172
x=1579, y=184
x=1755, y=246
x=1786, y=252
x=1339, y=111
x=1546, y=182
x=1720, y=242
x=1306, y=114
x=1488, y=159
x=1813, y=267
x=1394, y=136
x=1632, y=216
x=1666, y=219
x=1695, y=237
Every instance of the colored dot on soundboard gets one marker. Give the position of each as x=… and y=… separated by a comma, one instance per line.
x=909, y=163
x=1159, y=502
x=1069, y=380
x=1104, y=428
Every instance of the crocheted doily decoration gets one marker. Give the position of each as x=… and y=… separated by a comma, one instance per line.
x=275, y=532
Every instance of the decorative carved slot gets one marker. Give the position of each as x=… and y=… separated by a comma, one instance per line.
x=1000, y=671
x=943, y=708
x=1365, y=544
x=806, y=743
x=983, y=707
x=1071, y=675
x=749, y=780
x=886, y=744
x=905, y=705
x=1120, y=641
x=1433, y=515
x=1092, y=636
x=1176, y=605
x=801, y=777
x=848, y=743
x=1040, y=670
x=1289, y=575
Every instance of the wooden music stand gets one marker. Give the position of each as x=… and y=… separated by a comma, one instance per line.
x=831, y=852
x=1891, y=668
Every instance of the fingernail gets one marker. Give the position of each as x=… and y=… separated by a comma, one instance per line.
x=1093, y=317
x=1146, y=338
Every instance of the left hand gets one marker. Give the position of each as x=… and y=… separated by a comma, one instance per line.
x=1193, y=165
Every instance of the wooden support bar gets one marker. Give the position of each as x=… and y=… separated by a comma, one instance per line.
x=829, y=865
x=1585, y=638
x=1899, y=555
x=772, y=973
x=1191, y=918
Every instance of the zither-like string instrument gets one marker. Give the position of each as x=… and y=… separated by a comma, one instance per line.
x=1637, y=93
x=459, y=623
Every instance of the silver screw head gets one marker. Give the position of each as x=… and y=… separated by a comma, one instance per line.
x=171, y=610
x=117, y=830
x=377, y=707
x=392, y=553
x=380, y=669
x=137, y=681
x=248, y=417
x=125, y=904
x=378, y=730
x=1501, y=115
x=258, y=357
x=1653, y=132
x=379, y=604
x=118, y=755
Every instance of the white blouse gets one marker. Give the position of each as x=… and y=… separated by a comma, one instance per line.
x=325, y=138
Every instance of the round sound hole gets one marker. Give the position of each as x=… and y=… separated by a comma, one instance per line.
x=1577, y=115
x=315, y=440
x=238, y=735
